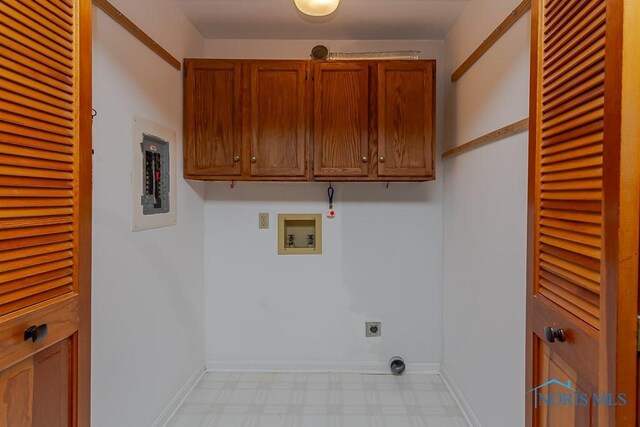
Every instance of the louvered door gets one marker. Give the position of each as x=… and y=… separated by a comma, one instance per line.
x=45, y=211
x=575, y=206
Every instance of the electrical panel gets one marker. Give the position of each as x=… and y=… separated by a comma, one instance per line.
x=153, y=175
x=156, y=179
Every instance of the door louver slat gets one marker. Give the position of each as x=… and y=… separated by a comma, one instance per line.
x=60, y=26
x=575, y=77
x=36, y=32
x=34, y=280
x=55, y=69
x=35, y=240
x=43, y=19
x=17, y=254
x=16, y=150
x=62, y=12
x=569, y=20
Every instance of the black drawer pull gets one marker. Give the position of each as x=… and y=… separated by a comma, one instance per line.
x=36, y=333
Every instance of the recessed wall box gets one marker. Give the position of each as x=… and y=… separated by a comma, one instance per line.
x=299, y=234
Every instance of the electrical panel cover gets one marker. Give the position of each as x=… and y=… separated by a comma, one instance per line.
x=156, y=179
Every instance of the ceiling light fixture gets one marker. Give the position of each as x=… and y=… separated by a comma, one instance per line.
x=317, y=7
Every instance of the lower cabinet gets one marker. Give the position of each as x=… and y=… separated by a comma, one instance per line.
x=35, y=391
x=267, y=120
x=38, y=366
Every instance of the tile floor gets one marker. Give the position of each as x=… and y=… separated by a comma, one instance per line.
x=319, y=400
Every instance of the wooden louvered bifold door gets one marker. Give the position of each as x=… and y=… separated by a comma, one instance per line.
x=573, y=126
x=45, y=218
x=37, y=139
x=571, y=144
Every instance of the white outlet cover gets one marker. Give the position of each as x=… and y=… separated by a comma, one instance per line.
x=263, y=221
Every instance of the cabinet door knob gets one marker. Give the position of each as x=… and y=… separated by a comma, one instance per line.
x=236, y=159
x=381, y=159
x=553, y=334
x=253, y=160
x=365, y=159
x=36, y=333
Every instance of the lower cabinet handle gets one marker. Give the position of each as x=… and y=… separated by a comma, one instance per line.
x=552, y=334
x=36, y=333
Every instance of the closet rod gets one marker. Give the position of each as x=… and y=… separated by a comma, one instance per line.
x=489, y=41
x=494, y=136
x=128, y=25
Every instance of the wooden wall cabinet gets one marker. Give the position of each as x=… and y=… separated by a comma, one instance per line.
x=213, y=118
x=406, y=128
x=246, y=120
x=341, y=119
x=277, y=123
x=265, y=120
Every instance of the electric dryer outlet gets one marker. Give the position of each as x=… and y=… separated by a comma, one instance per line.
x=373, y=329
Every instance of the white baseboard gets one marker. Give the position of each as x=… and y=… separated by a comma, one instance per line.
x=459, y=398
x=173, y=406
x=279, y=366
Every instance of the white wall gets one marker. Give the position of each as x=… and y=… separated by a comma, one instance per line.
x=485, y=218
x=382, y=260
x=147, y=286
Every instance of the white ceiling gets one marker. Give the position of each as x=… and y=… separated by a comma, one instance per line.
x=354, y=19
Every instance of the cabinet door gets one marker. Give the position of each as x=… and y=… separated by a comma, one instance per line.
x=582, y=296
x=45, y=212
x=406, y=126
x=213, y=123
x=35, y=392
x=16, y=395
x=278, y=118
x=341, y=119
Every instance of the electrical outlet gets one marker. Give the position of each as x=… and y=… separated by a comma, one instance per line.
x=373, y=329
x=263, y=221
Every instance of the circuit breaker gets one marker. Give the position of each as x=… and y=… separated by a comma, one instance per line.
x=156, y=178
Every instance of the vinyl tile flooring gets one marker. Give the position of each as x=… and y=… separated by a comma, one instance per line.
x=319, y=400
